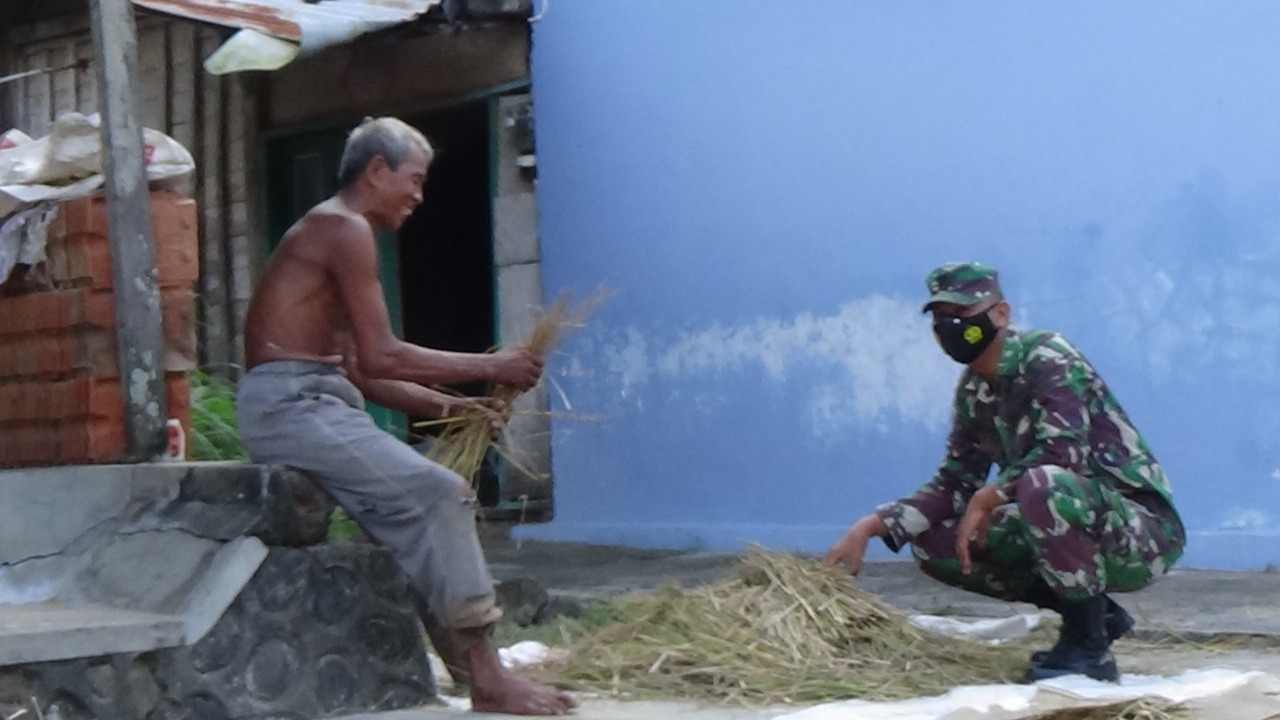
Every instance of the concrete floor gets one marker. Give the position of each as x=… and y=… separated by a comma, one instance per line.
x=1190, y=604
x=1187, y=602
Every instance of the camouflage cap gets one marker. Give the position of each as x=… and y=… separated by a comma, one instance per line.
x=964, y=283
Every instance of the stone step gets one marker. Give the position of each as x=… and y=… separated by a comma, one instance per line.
x=39, y=632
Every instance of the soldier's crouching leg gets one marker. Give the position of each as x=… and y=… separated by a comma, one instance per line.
x=1064, y=513
x=1004, y=569
x=1091, y=539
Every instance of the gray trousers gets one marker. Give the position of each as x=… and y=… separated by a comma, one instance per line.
x=309, y=416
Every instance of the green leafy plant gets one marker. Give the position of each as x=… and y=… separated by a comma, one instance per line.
x=213, y=434
x=342, y=527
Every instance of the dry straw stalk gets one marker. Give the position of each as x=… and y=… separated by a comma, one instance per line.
x=465, y=438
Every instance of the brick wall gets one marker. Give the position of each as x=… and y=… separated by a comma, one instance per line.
x=212, y=116
x=60, y=401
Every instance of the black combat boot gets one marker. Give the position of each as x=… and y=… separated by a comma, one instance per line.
x=1085, y=644
x=1119, y=622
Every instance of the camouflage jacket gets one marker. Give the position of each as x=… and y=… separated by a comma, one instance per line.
x=1047, y=406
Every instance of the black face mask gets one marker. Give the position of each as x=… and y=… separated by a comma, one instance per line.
x=964, y=339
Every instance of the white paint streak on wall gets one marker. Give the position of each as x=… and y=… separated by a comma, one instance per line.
x=872, y=362
x=1177, y=331
x=629, y=362
x=1245, y=519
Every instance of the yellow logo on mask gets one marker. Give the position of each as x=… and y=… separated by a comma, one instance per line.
x=973, y=335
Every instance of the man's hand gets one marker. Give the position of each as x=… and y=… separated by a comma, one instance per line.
x=498, y=411
x=973, y=526
x=848, y=550
x=516, y=367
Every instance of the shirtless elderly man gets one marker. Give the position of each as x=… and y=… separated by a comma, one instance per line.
x=318, y=342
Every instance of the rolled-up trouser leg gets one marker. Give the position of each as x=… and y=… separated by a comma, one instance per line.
x=422, y=512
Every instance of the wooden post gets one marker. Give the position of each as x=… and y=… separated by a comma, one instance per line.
x=139, y=336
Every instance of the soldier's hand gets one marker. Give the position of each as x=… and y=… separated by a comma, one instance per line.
x=849, y=550
x=972, y=529
x=516, y=367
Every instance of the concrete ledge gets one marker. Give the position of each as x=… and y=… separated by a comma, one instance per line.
x=40, y=632
x=180, y=590
x=157, y=542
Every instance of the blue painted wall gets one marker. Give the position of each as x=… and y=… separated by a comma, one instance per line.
x=765, y=185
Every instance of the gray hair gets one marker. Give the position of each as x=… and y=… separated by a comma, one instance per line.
x=389, y=137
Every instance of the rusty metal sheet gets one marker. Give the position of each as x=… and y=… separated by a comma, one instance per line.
x=310, y=24
x=272, y=33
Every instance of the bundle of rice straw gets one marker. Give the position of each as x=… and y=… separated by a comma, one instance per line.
x=465, y=439
x=786, y=630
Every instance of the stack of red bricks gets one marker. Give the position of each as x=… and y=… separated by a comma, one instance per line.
x=60, y=399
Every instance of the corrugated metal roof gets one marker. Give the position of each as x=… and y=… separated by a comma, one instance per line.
x=308, y=25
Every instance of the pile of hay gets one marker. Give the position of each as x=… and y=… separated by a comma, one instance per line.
x=785, y=630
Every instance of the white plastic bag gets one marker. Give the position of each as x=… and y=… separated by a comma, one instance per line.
x=67, y=163
x=13, y=138
x=19, y=157
x=23, y=237
x=73, y=150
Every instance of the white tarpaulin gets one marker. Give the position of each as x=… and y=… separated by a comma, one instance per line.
x=1209, y=693
x=1218, y=693
x=992, y=631
x=65, y=164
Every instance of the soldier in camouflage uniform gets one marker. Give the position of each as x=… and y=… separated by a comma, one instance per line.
x=1079, y=507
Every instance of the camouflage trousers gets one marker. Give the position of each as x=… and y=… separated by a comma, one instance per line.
x=1078, y=536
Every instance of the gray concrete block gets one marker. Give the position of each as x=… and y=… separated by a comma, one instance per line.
x=44, y=510
x=224, y=501
x=52, y=631
x=34, y=580
x=515, y=229
x=519, y=300
x=231, y=568
x=155, y=571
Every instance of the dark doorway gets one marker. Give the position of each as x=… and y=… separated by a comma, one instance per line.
x=446, y=248
x=446, y=251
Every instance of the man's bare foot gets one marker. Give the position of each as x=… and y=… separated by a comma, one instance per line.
x=496, y=689
x=506, y=692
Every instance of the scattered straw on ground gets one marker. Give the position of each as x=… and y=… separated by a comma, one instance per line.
x=786, y=630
